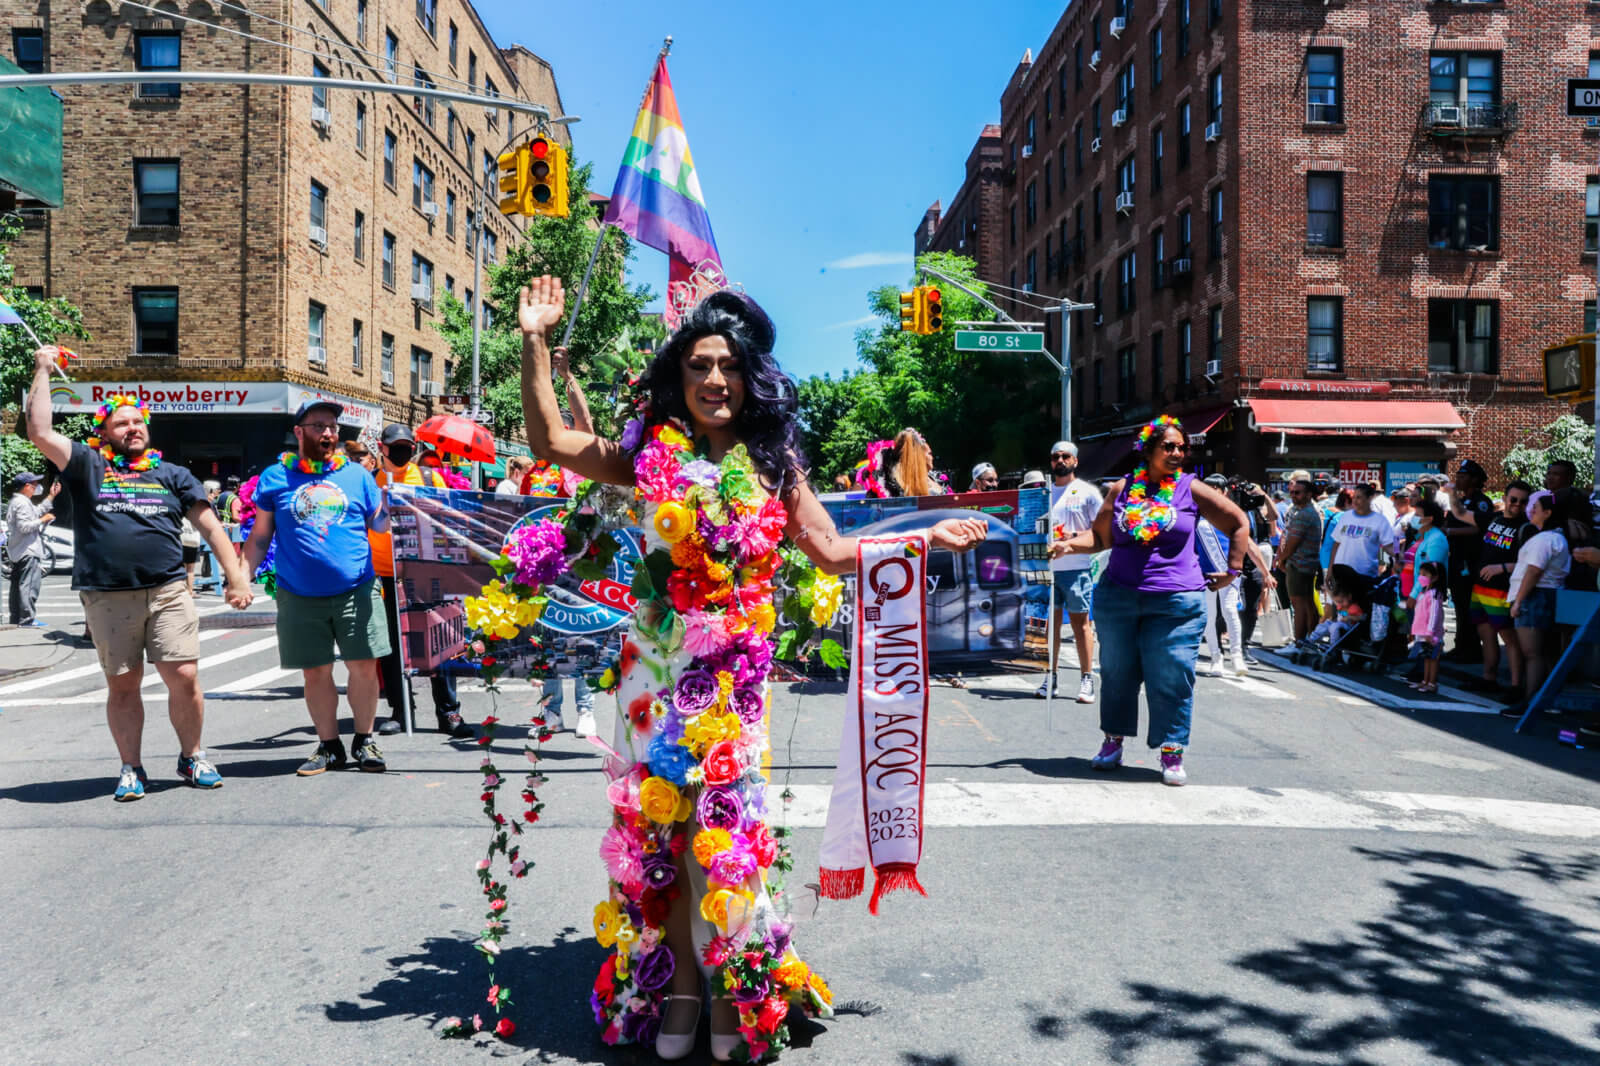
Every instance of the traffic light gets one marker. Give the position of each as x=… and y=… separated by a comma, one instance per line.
x=908, y=312
x=547, y=176
x=514, y=180
x=932, y=310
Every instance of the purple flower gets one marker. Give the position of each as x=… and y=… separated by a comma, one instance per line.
x=640, y=1027
x=540, y=552
x=747, y=703
x=779, y=936
x=632, y=434
x=701, y=472
x=599, y=1008
x=751, y=993
x=659, y=873
x=719, y=808
x=696, y=691
x=655, y=969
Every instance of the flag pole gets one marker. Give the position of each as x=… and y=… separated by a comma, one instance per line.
x=599, y=239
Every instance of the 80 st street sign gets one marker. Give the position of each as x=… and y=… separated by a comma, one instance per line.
x=998, y=340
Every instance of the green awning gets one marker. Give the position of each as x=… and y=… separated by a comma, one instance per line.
x=502, y=450
x=30, y=151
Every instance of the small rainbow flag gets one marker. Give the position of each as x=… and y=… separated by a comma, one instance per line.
x=657, y=199
x=8, y=315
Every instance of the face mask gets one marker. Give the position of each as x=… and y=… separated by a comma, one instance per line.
x=400, y=454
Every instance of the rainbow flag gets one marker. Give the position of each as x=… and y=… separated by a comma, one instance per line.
x=657, y=199
x=8, y=315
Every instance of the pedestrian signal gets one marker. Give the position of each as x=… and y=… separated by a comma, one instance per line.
x=514, y=180
x=547, y=178
x=908, y=312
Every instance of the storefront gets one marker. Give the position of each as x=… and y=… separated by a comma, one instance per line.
x=503, y=450
x=218, y=428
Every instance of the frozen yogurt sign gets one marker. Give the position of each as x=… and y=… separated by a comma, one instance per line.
x=208, y=398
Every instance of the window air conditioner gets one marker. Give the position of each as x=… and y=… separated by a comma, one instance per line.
x=422, y=292
x=388, y=378
x=430, y=209
x=1447, y=115
x=1125, y=201
x=316, y=354
x=1119, y=118
x=430, y=388
x=1213, y=131
x=1094, y=146
x=319, y=236
x=1094, y=59
x=1118, y=25
x=1213, y=368
x=1027, y=151
x=322, y=118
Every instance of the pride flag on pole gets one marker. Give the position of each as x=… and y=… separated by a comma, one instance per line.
x=657, y=199
x=9, y=316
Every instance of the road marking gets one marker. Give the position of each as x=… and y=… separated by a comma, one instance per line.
x=49, y=680
x=989, y=803
x=153, y=678
x=1463, y=703
x=251, y=682
x=1448, y=762
x=1260, y=688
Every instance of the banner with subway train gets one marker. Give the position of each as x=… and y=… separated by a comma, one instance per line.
x=979, y=605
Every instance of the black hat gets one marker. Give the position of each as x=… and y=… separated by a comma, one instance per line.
x=395, y=433
x=1472, y=469
x=317, y=405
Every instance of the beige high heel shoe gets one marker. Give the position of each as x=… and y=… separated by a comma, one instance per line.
x=677, y=1045
x=723, y=1045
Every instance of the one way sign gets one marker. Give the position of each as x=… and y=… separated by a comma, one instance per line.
x=1583, y=96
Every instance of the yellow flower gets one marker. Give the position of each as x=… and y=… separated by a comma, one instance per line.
x=624, y=962
x=672, y=438
x=707, y=728
x=659, y=799
x=709, y=843
x=607, y=917
x=820, y=987
x=673, y=522
x=717, y=571
x=714, y=906
x=724, y=687
x=826, y=593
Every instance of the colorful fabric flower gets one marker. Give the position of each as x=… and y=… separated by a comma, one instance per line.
x=660, y=801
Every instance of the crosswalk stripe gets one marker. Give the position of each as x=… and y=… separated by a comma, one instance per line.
x=991, y=803
x=52, y=679
x=251, y=682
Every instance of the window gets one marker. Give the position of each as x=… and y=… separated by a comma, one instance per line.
x=1094, y=118
x=391, y=55
x=1047, y=110
x=1158, y=258
x=319, y=93
x=1594, y=64
x=450, y=128
x=388, y=260
x=450, y=284
x=1098, y=205
x=471, y=231
x=1061, y=158
x=388, y=158
x=471, y=141
x=1158, y=366
x=1463, y=212
x=1215, y=246
x=1324, y=92
x=423, y=105
x=357, y=346
x=421, y=277
x=1591, y=215
x=421, y=184
x=1127, y=386
x=1185, y=128
x=1077, y=150
x=1325, y=209
x=1463, y=78
x=1061, y=87
x=1099, y=298
x=361, y=21
x=492, y=114
x=1183, y=32
x=454, y=38
x=1325, y=334
x=1032, y=282
x=1125, y=86
x=386, y=359
x=1214, y=99
x=489, y=176
x=159, y=51
x=361, y=238
x=421, y=368
x=1186, y=352
x=1214, y=14
x=428, y=15
x=1127, y=278
x=1032, y=141
x=1099, y=382
x=361, y=126
x=319, y=209
x=1094, y=31
x=28, y=47
x=1463, y=336
x=1077, y=62
x=316, y=334
x=155, y=190
x=1030, y=199
x=1185, y=233
x=1046, y=182
x=155, y=321
x=1156, y=57
x=450, y=213
x=1588, y=316
x=1049, y=263
x=1158, y=157
x=472, y=69
x=1214, y=349
x=490, y=246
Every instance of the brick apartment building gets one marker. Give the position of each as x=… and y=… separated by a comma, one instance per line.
x=972, y=224
x=236, y=249
x=1331, y=236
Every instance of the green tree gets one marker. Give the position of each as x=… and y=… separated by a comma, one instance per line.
x=1568, y=437
x=610, y=325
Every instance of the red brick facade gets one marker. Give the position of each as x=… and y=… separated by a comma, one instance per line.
x=971, y=225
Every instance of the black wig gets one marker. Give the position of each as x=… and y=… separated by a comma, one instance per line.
x=766, y=421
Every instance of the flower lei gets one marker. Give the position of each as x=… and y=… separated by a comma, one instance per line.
x=1144, y=517
x=866, y=472
x=267, y=572
x=149, y=459
x=296, y=461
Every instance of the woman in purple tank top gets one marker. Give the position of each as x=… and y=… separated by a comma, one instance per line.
x=1149, y=607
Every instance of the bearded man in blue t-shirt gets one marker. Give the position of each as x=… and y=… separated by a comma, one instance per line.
x=320, y=507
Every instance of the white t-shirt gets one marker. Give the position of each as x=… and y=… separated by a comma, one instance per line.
x=1358, y=538
x=509, y=486
x=1385, y=506
x=1548, y=550
x=1072, y=509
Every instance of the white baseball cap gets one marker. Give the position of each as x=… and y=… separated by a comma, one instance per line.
x=1064, y=446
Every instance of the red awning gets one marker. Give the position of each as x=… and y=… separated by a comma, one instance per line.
x=1112, y=454
x=1354, y=416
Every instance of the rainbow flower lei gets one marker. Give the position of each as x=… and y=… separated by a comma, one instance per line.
x=296, y=461
x=149, y=459
x=1145, y=517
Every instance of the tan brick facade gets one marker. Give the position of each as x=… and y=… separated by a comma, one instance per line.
x=242, y=256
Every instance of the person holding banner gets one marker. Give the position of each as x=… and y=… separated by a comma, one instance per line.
x=1149, y=606
x=719, y=482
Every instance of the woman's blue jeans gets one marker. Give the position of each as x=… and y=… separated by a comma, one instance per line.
x=1149, y=639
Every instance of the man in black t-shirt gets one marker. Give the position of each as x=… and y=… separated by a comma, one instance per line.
x=128, y=509
x=1503, y=537
x=1469, y=514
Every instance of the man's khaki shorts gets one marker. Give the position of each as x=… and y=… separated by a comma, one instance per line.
x=130, y=625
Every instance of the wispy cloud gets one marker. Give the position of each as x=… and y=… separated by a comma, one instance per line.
x=869, y=259
x=853, y=323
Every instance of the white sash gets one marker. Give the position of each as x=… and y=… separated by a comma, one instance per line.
x=875, y=813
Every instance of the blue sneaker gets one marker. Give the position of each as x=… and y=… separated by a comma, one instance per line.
x=198, y=772
x=130, y=785
x=1109, y=757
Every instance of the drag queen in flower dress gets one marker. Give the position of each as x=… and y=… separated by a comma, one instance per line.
x=719, y=486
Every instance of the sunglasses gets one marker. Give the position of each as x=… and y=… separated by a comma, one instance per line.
x=1174, y=446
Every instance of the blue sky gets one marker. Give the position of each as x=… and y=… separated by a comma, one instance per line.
x=821, y=132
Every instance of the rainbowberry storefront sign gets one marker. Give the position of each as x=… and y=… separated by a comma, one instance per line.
x=210, y=398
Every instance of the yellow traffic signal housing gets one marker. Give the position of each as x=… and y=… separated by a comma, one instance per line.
x=547, y=178
x=908, y=311
x=932, y=310
x=1569, y=368
x=514, y=180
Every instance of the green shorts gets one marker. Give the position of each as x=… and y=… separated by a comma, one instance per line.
x=310, y=627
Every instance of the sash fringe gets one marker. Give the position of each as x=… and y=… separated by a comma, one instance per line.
x=894, y=877
x=842, y=884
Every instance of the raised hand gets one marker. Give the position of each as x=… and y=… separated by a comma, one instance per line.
x=959, y=534
x=560, y=362
x=541, y=305
x=47, y=358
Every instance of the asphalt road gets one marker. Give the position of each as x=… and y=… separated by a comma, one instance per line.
x=1341, y=883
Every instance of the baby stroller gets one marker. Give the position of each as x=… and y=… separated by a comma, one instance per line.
x=1367, y=641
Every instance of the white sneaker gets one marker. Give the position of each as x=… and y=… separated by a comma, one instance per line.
x=1212, y=668
x=586, y=725
x=1086, y=689
x=1046, y=687
x=1239, y=668
x=552, y=721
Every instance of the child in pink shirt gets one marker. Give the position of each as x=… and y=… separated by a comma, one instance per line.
x=1427, y=624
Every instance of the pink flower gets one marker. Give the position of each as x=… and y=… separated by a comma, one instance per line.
x=623, y=793
x=539, y=550
x=704, y=634
x=494, y=995
x=477, y=1022
x=518, y=867
x=493, y=948
x=618, y=852
x=655, y=471
x=490, y=780
x=483, y=864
